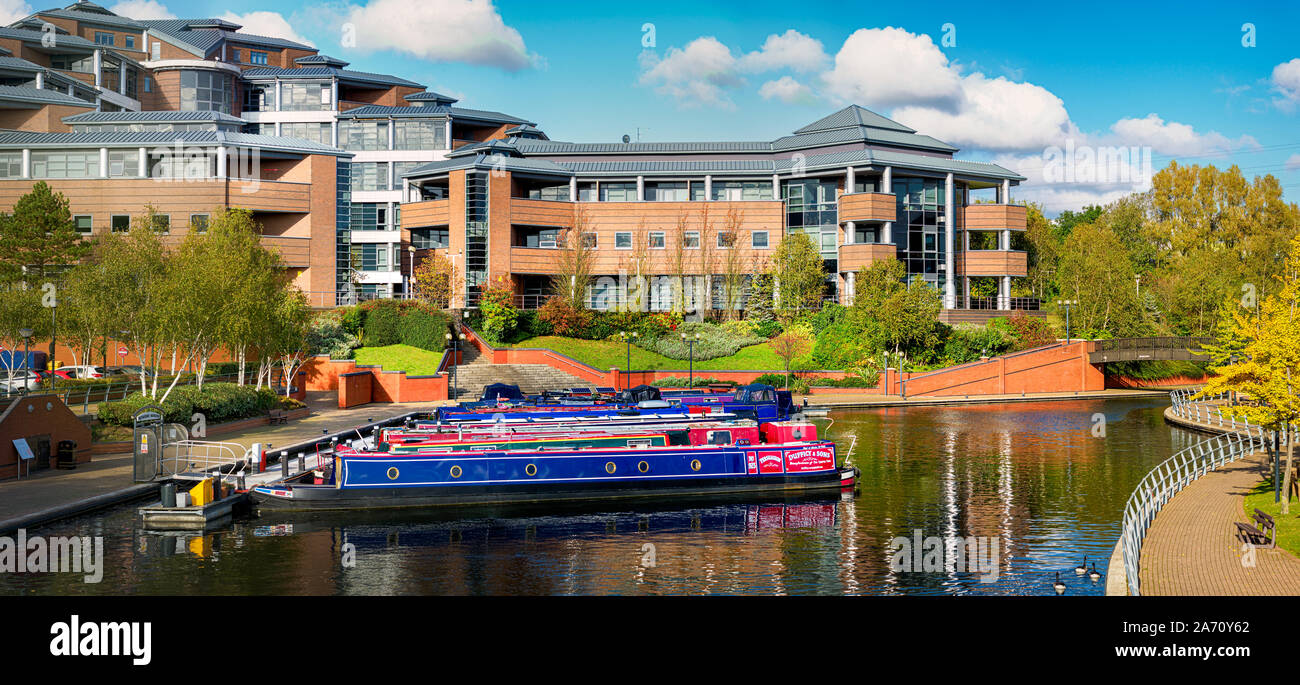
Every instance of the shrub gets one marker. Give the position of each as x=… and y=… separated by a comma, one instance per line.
x=382, y=323
x=351, y=318
x=327, y=335
x=715, y=341
x=425, y=330
x=499, y=313
x=1026, y=332
x=967, y=343
x=680, y=382
x=218, y=402
x=564, y=319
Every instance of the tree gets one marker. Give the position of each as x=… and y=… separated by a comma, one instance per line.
x=1268, y=372
x=789, y=346
x=287, y=339
x=636, y=266
x=735, y=265
x=1043, y=252
x=799, y=275
x=575, y=261
x=498, y=306
x=1102, y=284
x=39, y=233
x=19, y=308
x=435, y=279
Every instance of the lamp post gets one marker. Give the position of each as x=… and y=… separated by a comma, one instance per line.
x=410, y=291
x=628, y=338
x=54, y=334
x=690, y=342
x=1067, y=304
x=26, y=334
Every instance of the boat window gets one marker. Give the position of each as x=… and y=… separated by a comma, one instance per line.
x=719, y=437
x=639, y=443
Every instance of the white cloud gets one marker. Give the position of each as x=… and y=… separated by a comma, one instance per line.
x=142, y=9
x=790, y=50
x=1286, y=81
x=993, y=114
x=1174, y=138
x=699, y=74
x=467, y=31
x=271, y=24
x=1293, y=162
x=887, y=67
x=787, y=90
x=13, y=10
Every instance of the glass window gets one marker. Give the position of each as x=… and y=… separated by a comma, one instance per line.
x=65, y=164
x=589, y=240
x=162, y=223
x=557, y=192
x=758, y=239
x=255, y=57
x=199, y=223
x=184, y=166
x=726, y=239
x=618, y=192
x=657, y=240
x=203, y=91
x=103, y=38
x=697, y=191
x=737, y=191
x=83, y=222
x=369, y=176
x=148, y=84
x=430, y=238
x=363, y=134
x=316, y=132
x=419, y=134
x=123, y=163
x=130, y=41
x=691, y=240
x=664, y=191
x=305, y=97
x=120, y=223
x=400, y=168
x=11, y=165
x=623, y=240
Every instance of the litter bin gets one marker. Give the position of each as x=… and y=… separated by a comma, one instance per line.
x=67, y=455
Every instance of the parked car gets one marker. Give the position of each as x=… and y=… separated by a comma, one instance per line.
x=57, y=373
x=83, y=371
x=21, y=381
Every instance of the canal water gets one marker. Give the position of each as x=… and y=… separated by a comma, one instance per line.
x=1036, y=486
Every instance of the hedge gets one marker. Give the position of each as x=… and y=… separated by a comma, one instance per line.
x=425, y=330
x=218, y=402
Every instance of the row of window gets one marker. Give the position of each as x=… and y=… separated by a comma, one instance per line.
x=121, y=223
x=122, y=163
x=659, y=191
x=658, y=240
x=374, y=175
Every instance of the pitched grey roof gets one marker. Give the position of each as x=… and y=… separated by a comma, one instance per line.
x=266, y=73
x=41, y=97
x=104, y=18
x=853, y=115
x=61, y=39
x=152, y=116
x=322, y=59
x=383, y=111
x=860, y=134
x=12, y=139
x=430, y=96
x=490, y=162
x=196, y=34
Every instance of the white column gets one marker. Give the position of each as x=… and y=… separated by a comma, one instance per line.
x=103, y=162
x=966, y=291
x=776, y=187
x=850, y=286
x=887, y=187
x=98, y=62
x=1006, y=191
x=142, y=166
x=334, y=133
x=121, y=78
x=392, y=133
x=573, y=189
x=392, y=175
x=850, y=180
x=277, y=102
x=448, y=133
x=334, y=94
x=27, y=163
x=221, y=161
x=406, y=192
x=1006, y=239
x=708, y=188
x=850, y=228
x=1004, y=289
x=640, y=188
x=950, y=251
x=40, y=80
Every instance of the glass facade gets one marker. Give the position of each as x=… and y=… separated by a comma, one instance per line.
x=420, y=134
x=919, y=231
x=363, y=134
x=317, y=132
x=370, y=176
x=343, y=231
x=65, y=164
x=476, y=234
x=305, y=97
x=429, y=238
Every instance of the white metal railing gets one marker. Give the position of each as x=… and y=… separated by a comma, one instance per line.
x=1239, y=439
x=201, y=457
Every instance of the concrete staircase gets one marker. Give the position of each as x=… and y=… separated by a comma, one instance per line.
x=476, y=372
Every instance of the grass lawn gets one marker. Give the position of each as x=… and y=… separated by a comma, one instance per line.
x=413, y=360
x=1288, y=526
x=604, y=354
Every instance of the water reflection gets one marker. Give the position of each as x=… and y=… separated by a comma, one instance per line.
x=1032, y=478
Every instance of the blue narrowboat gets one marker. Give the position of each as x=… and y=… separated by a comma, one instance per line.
x=757, y=401
x=708, y=460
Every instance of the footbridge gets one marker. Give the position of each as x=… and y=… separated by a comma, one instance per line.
x=1149, y=349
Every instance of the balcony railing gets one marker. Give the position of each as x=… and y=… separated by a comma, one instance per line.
x=1032, y=304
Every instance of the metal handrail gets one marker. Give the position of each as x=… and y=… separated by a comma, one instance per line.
x=1168, y=478
x=198, y=456
x=106, y=392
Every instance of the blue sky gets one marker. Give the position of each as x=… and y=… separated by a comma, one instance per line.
x=1020, y=78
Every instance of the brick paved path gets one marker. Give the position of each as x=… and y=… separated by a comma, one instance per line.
x=1192, y=547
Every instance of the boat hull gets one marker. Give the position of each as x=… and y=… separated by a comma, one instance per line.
x=326, y=498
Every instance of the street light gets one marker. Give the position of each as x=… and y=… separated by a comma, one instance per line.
x=1067, y=304
x=690, y=342
x=455, y=360
x=628, y=338
x=410, y=291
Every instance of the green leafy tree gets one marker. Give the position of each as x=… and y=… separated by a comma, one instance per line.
x=38, y=234
x=19, y=308
x=799, y=275
x=1102, y=284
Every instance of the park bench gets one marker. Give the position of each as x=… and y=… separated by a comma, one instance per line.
x=1261, y=532
x=277, y=416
